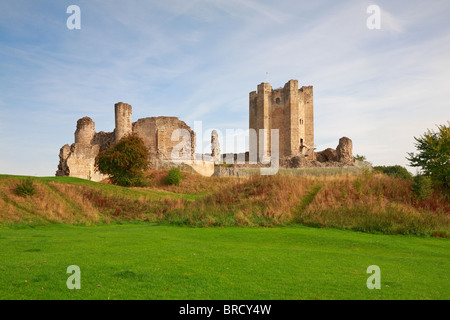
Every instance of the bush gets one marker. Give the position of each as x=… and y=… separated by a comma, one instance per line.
x=395, y=171
x=174, y=177
x=422, y=187
x=25, y=188
x=125, y=162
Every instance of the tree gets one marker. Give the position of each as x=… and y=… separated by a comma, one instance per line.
x=124, y=162
x=434, y=155
x=359, y=158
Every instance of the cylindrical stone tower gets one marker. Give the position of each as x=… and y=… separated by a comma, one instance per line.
x=123, y=120
x=215, y=146
x=85, y=131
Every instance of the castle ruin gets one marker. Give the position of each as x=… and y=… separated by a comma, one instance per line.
x=289, y=109
x=78, y=160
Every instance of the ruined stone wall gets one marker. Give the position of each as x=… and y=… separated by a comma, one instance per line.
x=343, y=153
x=78, y=159
x=288, y=109
x=215, y=146
x=157, y=134
x=85, y=131
x=104, y=139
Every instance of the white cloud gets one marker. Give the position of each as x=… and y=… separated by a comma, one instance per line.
x=198, y=60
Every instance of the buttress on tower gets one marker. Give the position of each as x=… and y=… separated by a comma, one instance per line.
x=288, y=109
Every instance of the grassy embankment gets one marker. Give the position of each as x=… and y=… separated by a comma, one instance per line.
x=361, y=202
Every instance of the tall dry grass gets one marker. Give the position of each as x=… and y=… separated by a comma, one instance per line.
x=376, y=203
x=52, y=202
x=365, y=202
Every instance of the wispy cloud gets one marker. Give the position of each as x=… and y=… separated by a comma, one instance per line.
x=198, y=60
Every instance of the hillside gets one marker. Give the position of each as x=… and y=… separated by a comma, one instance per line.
x=361, y=202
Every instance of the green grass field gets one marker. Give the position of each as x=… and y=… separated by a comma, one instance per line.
x=150, y=261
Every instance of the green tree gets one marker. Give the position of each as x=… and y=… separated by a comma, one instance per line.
x=434, y=155
x=359, y=157
x=124, y=162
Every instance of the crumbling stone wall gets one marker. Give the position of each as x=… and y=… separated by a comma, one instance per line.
x=288, y=109
x=162, y=135
x=340, y=157
x=328, y=154
x=342, y=154
x=78, y=160
x=104, y=139
x=345, y=151
x=85, y=131
x=215, y=146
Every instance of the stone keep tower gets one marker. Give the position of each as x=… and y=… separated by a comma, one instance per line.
x=288, y=109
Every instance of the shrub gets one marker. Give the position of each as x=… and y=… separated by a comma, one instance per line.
x=422, y=187
x=125, y=162
x=395, y=171
x=174, y=177
x=25, y=188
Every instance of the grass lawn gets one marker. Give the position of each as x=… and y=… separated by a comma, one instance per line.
x=149, y=261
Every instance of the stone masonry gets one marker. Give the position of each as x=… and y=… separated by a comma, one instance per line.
x=288, y=109
x=215, y=146
x=291, y=111
x=343, y=153
x=172, y=142
x=160, y=136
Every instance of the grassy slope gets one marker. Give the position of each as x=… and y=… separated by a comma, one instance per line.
x=147, y=261
x=150, y=194
x=364, y=202
x=64, y=199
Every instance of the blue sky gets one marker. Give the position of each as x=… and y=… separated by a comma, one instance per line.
x=198, y=60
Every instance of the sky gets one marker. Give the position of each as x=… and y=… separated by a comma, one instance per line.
x=199, y=59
